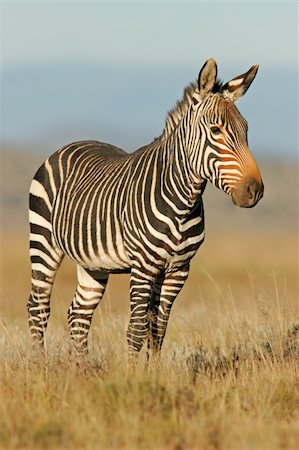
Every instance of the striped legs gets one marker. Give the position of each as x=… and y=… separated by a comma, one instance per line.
x=45, y=261
x=90, y=290
x=164, y=293
x=140, y=294
x=151, y=302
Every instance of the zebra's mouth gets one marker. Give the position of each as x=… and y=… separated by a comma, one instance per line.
x=248, y=194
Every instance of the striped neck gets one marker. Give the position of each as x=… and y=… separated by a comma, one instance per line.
x=182, y=185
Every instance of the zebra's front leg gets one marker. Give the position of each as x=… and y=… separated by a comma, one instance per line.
x=165, y=291
x=90, y=290
x=140, y=294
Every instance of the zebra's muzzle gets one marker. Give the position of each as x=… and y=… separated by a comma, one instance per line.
x=248, y=194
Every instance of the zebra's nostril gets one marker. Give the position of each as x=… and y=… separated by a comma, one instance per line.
x=250, y=191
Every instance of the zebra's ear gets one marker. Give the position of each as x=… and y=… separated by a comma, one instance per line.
x=237, y=87
x=207, y=78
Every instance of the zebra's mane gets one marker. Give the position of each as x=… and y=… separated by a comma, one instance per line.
x=176, y=113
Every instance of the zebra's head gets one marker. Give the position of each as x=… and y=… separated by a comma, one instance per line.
x=225, y=157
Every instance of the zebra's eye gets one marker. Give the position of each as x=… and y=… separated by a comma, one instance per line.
x=215, y=130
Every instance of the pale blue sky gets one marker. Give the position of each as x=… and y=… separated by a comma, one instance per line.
x=110, y=70
x=149, y=32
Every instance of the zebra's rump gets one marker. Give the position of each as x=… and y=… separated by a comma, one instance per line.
x=70, y=199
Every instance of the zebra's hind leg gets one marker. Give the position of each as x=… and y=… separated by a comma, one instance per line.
x=45, y=261
x=165, y=292
x=90, y=290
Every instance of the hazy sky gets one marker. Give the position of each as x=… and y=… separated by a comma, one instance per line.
x=139, y=55
x=149, y=32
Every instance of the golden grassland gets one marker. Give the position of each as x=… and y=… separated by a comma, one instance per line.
x=227, y=377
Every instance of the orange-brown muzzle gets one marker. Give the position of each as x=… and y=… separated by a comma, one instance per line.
x=248, y=192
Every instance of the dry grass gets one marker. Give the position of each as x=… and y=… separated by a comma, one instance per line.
x=240, y=395
x=227, y=379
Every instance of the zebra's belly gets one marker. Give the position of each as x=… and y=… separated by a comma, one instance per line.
x=108, y=255
x=108, y=261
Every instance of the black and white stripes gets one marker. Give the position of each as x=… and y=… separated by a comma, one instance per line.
x=113, y=212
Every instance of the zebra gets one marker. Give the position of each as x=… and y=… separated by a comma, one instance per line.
x=140, y=213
